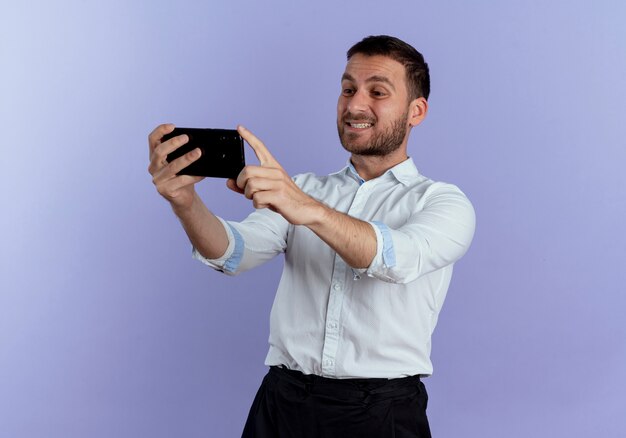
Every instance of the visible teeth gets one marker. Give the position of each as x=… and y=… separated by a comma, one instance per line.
x=360, y=125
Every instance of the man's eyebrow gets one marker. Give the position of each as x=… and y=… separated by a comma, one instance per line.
x=375, y=78
x=347, y=77
x=380, y=79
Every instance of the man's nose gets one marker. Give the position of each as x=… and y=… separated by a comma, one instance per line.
x=359, y=102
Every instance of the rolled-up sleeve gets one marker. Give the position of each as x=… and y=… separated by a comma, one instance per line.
x=229, y=261
x=436, y=235
x=252, y=242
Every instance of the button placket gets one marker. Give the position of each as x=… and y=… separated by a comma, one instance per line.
x=333, y=312
x=337, y=292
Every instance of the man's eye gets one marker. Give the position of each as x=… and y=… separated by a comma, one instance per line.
x=348, y=91
x=378, y=93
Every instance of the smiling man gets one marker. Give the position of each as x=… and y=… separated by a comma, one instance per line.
x=369, y=252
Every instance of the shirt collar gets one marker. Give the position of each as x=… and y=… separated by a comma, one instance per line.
x=404, y=172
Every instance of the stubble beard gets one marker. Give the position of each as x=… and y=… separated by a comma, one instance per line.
x=381, y=144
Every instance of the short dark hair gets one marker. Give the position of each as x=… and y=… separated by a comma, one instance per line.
x=415, y=67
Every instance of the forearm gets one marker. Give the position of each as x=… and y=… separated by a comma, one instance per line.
x=269, y=186
x=204, y=229
x=353, y=239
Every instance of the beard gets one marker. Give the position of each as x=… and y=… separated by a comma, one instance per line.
x=382, y=143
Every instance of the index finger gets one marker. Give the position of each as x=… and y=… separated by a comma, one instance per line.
x=154, y=138
x=263, y=154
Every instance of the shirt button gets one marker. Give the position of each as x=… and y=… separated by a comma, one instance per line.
x=328, y=362
x=337, y=286
x=332, y=325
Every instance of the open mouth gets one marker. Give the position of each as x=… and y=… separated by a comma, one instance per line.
x=359, y=125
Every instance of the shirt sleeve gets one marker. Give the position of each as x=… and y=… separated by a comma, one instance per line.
x=231, y=258
x=251, y=242
x=436, y=235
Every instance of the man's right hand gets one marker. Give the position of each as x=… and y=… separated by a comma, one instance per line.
x=177, y=189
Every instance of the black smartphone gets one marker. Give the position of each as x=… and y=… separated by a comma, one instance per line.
x=222, y=152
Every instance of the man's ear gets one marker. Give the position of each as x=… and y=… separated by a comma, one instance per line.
x=417, y=111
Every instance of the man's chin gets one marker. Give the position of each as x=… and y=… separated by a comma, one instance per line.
x=364, y=150
x=354, y=142
x=367, y=149
x=353, y=147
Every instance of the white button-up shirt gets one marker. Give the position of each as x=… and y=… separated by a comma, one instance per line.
x=335, y=321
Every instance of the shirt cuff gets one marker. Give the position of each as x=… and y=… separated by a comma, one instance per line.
x=230, y=260
x=388, y=251
x=385, y=254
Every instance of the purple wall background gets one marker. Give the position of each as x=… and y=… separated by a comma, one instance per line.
x=109, y=329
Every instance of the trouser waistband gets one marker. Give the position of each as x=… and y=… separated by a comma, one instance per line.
x=358, y=389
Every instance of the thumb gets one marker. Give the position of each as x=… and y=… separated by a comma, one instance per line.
x=232, y=184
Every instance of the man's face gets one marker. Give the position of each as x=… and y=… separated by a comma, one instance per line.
x=372, y=111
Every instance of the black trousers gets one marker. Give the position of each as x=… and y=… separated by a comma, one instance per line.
x=290, y=404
